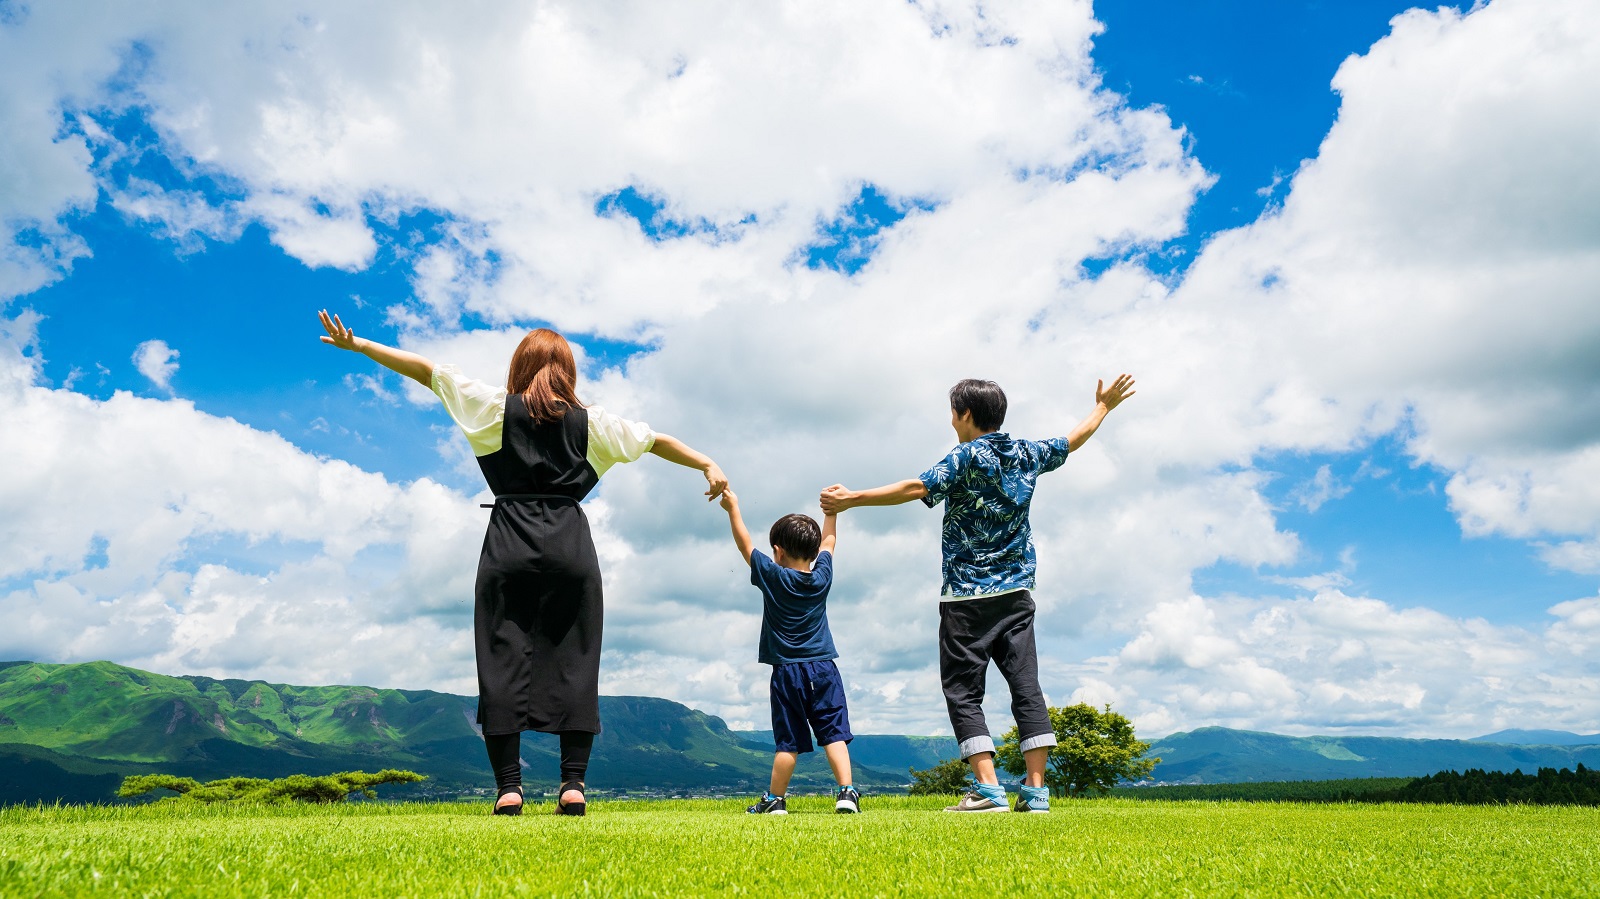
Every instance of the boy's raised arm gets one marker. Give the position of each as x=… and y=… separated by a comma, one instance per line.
x=741, y=536
x=830, y=532
x=838, y=498
x=1105, y=399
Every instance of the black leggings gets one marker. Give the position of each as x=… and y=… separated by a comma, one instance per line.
x=505, y=751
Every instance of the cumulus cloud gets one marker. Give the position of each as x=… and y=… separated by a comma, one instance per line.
x=152, y=533
x=1435, y=264
x=1322, y=487
x=1428, y=274
x=1332, y=661
x=156, y=361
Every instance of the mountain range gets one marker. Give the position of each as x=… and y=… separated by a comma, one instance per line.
x=1539, y=738
x=1222, y=755
x=72, y=732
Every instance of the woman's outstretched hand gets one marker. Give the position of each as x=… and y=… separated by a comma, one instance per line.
x=677, y=452
x=716, y=482
x=338, y=335
x=417, y=368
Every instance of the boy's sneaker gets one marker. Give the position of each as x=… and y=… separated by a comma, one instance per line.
x=848, y=802
x=977, y=802
x=769, y=805
x=1038, y=803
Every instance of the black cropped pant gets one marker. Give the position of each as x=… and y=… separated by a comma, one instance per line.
x=505, y=751
x=973, y=631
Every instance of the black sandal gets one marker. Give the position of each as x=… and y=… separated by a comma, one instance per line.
x=571, y=808
x=508, y=809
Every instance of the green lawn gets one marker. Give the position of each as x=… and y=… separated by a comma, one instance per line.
x=900, y=846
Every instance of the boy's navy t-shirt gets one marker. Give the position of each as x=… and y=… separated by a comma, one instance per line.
x=794, y=610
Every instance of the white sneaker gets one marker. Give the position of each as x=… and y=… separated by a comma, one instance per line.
x=977, y=802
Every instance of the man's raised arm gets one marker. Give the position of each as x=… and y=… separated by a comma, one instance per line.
x=1105, y=399
x=838, y=498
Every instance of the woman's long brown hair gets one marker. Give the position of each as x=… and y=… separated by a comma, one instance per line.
x=544, y=372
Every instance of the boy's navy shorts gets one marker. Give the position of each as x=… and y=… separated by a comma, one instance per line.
x=808, y=697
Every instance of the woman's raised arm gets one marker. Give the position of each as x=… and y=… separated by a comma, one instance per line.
x=417, y=368
x=674, y=450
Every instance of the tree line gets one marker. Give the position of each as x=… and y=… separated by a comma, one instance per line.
x=1096, y=751
x=1363, y=789
x=1550, y=786
x=1478, y=787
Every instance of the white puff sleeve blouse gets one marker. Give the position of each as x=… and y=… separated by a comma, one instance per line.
x=480, y=411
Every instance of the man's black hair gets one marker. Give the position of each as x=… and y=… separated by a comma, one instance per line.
x=984, y=399
x=797, y=535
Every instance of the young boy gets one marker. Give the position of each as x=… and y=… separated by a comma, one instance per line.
x=807, y=692
x=986, y=610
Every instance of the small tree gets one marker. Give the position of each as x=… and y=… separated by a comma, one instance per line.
x=296, y=787
x=944, y=779
x=1094, y=750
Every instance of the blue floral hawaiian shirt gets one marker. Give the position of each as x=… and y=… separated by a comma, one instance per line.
x=986, y=485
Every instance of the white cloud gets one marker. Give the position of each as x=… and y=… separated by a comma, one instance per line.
x=156, y=361
x=1578, y=630
x=1436, y=261
x=1322, y=487
x=341, y=240
x=373, y=384
x=1338, y=662
x=116, y=511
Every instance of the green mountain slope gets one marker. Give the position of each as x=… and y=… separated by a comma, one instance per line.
x=1222, y=755
x=119, y=720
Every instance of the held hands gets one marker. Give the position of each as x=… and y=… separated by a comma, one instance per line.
x=836, y=499
x=338, y=335
x=1121, y=389
x=730, y=503
x=716, y=484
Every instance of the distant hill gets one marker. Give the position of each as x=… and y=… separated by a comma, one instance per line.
x=1539, y=738
x=1222, y=755
x=72, y=731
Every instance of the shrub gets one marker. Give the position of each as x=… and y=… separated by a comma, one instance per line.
x=296, y=787
x=1094, y=750
x=945, y=778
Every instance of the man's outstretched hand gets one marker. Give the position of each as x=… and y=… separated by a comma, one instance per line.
x=1120, y=389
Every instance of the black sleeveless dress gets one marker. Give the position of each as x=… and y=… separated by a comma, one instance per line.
x=538, y=609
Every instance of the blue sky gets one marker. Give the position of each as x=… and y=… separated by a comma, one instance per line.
x=1249, y=80
x=783, y=264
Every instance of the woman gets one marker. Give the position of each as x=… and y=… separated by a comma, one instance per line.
x=537, y=614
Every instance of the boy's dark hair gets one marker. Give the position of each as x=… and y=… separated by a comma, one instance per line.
x=797, y=535
x=984, y=399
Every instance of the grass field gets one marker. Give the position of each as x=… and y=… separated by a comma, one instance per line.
x=900, y=846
